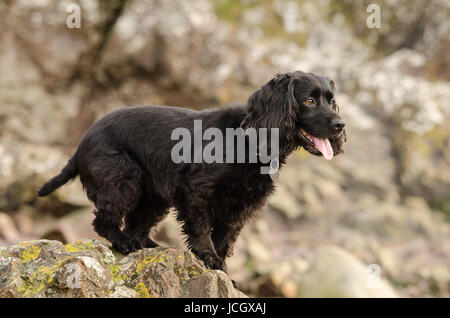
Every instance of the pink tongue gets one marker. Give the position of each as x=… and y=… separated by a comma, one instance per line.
x=324, y=146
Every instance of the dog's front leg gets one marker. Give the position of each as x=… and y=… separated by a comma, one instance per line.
x=224, y=237
x=198, y=231
x=203, y=247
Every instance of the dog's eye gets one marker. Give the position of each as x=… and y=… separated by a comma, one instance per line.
x=309, y=101
x=332, y=102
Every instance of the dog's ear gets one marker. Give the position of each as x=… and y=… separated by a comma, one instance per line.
x=337, y=142
x=274, y=106
x=333, y=86
x=293, y=104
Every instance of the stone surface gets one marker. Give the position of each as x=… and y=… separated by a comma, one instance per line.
x=88, y=268
x=336, y=273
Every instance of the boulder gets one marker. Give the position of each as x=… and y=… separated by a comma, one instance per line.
x=8, y=230
x=335, y=272
x=88, y=268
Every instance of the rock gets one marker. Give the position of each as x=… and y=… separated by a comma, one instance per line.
x=169, y=37
x=88, y=268
x=284, y=202
x=8, y=230
x=258, y=252
x=24, y=168
x=71, y=227
x=336, y=273
x=280, y=279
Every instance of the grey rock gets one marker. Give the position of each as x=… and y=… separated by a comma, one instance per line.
x=88, y=268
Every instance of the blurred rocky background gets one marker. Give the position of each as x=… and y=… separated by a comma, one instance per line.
x=385, y=202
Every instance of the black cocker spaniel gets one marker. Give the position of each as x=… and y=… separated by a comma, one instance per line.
x=126, y=165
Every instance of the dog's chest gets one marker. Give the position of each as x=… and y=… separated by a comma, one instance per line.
x=240, y=199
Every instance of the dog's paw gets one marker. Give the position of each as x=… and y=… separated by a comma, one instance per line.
x=213, y=262
x=129, y=246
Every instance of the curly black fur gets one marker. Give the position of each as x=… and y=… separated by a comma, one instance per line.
x=124, y=162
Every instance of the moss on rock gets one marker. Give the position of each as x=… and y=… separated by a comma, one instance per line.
x=88, y=268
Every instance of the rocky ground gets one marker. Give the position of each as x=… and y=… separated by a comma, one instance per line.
x=89, y=268
x=384, y=202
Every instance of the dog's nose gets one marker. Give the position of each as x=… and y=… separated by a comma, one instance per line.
x=338, y=124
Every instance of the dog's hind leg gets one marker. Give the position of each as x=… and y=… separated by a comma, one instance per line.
x=114, y=184
x=107, y=225
x=138, y=223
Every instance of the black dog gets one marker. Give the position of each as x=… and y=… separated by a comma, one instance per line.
x=124, y=162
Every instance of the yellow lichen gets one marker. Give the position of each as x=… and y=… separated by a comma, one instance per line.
x=142, y=290
x=114, y=273
x=106, y=292
x=42, y=276
x=22, y=288
x=33, y=290
x=147, y=262
x=30, y=254
x=30, y=289
x=79, y=246
x=48, y=272
x=196, y=271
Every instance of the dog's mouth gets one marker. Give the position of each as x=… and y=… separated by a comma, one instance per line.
x=317, y=145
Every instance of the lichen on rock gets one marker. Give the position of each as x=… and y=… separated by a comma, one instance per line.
x=88, y=268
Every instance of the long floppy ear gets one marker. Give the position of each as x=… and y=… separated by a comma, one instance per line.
x=333, y=86
x=274, y=106
x=265, y=107
x=338, y=141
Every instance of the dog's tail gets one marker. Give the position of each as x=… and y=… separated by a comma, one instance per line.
x=70, y=171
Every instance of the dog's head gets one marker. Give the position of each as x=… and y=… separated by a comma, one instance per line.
x=302, y=106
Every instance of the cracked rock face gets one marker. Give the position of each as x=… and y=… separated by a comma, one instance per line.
x=46, y=268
